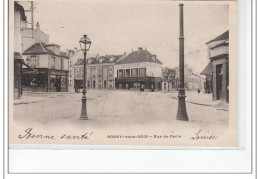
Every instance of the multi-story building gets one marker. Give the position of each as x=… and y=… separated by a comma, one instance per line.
x=99, y=71
x=192, y=81
x=195, y=82
x=74, y=55
x=218, y=67
x=168, y=79
x=19, y=20
x=52, y=66
x=140, y=70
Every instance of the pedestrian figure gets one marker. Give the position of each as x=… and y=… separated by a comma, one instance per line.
x=76, y=88
x=198, y=90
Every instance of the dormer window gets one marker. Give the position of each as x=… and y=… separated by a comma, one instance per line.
x=153, y=57
x=111, y=59
x=100, y=60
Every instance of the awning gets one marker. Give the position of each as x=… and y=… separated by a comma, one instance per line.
x=208, y=70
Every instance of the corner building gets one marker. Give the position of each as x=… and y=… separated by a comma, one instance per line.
x=140, y=70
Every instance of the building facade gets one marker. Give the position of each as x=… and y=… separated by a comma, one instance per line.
x=19, y=64
x=140, y=70
x=192, y=80
x=218, y=54
x=168, y=79
x=52, y=68
x=99, y=72
x=74, y=55
x=19, y=19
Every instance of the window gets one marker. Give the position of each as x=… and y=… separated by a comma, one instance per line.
x=127, y=73
x=52, y=62
x=143, y=72
x=63, y=81
x=62, y=64
x=120, y=75
x=32, y=61
x=134, y=72
x=52, y=81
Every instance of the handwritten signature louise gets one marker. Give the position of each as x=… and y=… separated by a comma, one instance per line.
x=28, y=134
x=198, y=135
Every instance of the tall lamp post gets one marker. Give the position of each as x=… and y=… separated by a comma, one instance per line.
x=182, y=113
x=85, y=44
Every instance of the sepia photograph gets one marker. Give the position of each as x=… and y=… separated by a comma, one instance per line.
x=123, y=73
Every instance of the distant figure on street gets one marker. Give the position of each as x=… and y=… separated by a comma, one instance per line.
x=198, y=90
x=76, y=88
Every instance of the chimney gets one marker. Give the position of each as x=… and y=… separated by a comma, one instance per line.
x=140, y=49
x=124, y=53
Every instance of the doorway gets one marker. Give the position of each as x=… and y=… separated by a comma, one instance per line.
x=219, y=79
x=58, y=83
x=105, y=84
x=94, y=84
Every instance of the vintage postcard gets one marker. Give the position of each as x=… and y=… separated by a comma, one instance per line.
x=128, y=73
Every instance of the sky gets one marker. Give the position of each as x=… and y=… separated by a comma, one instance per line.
x=115, y=27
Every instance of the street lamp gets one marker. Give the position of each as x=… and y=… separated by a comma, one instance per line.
x=85, y=44
x=182, y=113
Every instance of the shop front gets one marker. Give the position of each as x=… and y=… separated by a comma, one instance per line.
x=139, y=84
x=57, y=81
x=45, y=80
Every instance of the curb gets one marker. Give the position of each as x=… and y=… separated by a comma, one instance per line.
x=209, y=105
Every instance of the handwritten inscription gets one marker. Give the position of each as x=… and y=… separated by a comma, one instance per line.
x=28, y=134
x=198, y=136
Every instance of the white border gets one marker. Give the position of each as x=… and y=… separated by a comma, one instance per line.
x=149, y=160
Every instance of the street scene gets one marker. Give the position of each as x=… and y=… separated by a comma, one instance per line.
x=100, y=78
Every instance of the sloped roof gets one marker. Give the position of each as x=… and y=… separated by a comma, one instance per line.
x=41, y=48
x=224, y=36
x=139, y=56
x=208, y=70
x=49, y=45
x=95, y=60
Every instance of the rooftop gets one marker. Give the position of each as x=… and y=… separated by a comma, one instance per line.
x=139, y=56
x=41, y=48
x=224, y=36
x=96, y=60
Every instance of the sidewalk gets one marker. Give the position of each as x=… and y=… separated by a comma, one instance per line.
x=25, y=99
x=202, y=99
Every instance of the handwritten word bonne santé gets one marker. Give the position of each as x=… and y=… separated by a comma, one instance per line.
x=28, y=134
